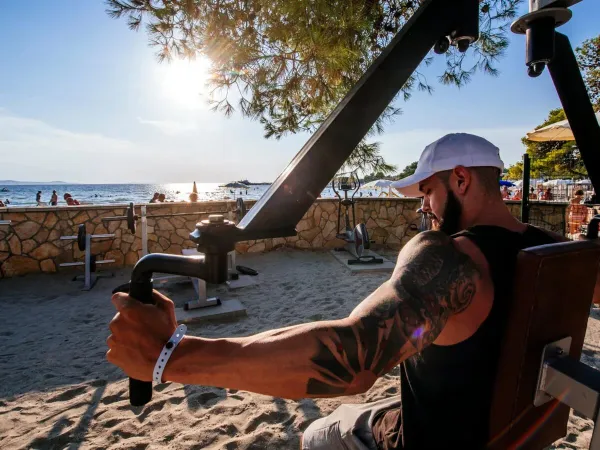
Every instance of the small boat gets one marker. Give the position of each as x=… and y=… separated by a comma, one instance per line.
x=4, y=190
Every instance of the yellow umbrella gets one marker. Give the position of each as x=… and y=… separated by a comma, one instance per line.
x=559, y=131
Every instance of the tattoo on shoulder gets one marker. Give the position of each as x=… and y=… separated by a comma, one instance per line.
x=433, y=281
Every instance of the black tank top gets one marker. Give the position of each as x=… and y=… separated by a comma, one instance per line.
x=447, y=391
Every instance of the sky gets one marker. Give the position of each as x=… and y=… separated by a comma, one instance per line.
x=83, y=99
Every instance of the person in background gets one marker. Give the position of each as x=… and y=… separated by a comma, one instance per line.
x=518, y=195
x=193, y=197
x=2, y=205
x=154, y=198
x=38, y=197
x=548, y=195
x=532, y=194
x=540, y=192
x=7, y=202
x=70, y=200
x=161, y=198
x=505, y=193
x=576, y=212
x=54, y=199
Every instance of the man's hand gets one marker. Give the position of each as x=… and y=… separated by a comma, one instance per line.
x=139, y=333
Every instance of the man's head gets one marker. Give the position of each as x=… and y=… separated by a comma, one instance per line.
x=457, y=176
x=161, y=198
x=155, y=196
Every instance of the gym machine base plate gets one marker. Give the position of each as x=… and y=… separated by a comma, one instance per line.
x=355, y=269
x=228, y=309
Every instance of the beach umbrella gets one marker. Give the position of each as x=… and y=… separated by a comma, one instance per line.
x=559, y=131
x=375, y=184
x=506, y=183
x=195, y=189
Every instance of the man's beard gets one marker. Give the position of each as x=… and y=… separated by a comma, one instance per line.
x=450, y=222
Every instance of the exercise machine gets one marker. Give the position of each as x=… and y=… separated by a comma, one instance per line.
x=84, y=243
x=439, y=24
x=356, y=236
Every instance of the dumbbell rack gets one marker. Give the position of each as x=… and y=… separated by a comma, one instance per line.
x=90, y=276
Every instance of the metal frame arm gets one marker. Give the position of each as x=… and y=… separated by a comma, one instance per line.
x=573, y=95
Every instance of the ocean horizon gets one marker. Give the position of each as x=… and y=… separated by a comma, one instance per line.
x=119, y=193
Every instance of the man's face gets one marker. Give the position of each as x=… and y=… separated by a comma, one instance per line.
x=441, y=204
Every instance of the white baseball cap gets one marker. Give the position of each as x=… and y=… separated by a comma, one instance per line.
x=456, y=149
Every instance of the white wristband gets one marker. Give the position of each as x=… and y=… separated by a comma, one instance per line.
x=166, y=353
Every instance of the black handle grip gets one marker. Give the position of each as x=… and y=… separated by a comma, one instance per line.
x=140, y=392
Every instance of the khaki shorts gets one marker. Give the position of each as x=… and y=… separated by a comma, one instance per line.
x=349, y=427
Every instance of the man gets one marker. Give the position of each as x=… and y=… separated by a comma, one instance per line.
x=54, y=199
x=38, y=197
x=154, y=198
x=440, y=316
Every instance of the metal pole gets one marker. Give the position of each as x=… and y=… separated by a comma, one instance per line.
x=144, y=232
x=525, y=196
x=88, y=254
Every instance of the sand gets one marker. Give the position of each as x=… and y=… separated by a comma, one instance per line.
x=58, y=391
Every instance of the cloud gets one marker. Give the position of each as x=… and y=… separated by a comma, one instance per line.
x=32, y=149
x=170, y=127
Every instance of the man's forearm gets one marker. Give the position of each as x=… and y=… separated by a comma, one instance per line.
x=277, y=362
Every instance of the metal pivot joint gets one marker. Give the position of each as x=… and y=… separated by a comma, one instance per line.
x=538, y=27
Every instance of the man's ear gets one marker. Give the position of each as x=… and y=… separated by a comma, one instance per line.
x=462, y=179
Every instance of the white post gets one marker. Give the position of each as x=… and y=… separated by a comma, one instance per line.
x=144, y=232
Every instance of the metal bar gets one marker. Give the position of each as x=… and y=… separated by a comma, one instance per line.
x=78, y=263
x=574, y=384
x=101, y=236
x=525, y=192
x=576, y=103
x=144, y=232
x=295, y=190
x=197, y=213
x=65, y=238
x=88, y=254
x=5, y=222
x=105, y=261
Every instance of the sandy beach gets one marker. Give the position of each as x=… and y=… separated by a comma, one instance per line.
x=58, y=391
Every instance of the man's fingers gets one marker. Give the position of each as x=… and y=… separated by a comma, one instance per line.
x=124, y=302
x=162, y=302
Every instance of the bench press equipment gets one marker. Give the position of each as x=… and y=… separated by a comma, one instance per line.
x=84, y=243
x=545, y=310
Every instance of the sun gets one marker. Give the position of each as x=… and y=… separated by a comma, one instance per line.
x=184, y=82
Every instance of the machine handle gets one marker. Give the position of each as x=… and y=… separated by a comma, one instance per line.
x=140, y=288
x=140, y=392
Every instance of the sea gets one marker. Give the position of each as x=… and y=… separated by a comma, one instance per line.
x=102, y=194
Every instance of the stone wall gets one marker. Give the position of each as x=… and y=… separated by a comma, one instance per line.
x=32, y=242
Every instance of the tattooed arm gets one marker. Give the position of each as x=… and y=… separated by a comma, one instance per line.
x=432, y=281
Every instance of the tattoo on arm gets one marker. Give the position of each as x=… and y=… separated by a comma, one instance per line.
x=432, y=281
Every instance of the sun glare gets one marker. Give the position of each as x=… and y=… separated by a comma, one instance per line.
x=183, y=82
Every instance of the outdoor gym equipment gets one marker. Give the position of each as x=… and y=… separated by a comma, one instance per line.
x=84, y=243
x=5, y=222
x=131, y=217
x=356, y=236
x=538, y=348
